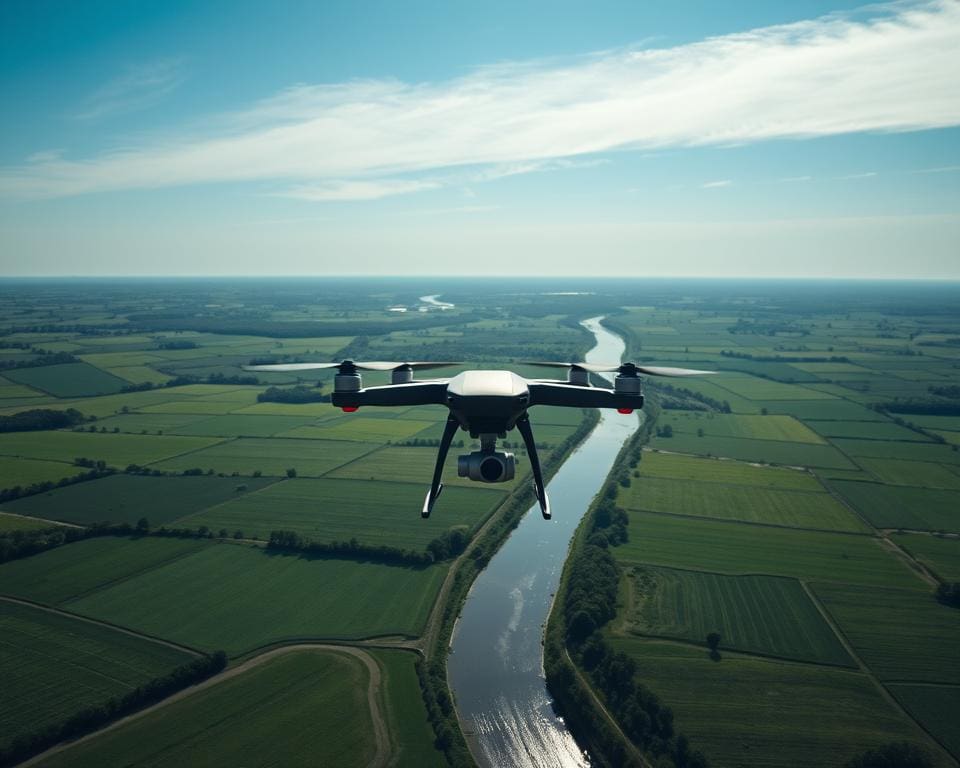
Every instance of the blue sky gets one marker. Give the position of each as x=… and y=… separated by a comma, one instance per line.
x=561, y=138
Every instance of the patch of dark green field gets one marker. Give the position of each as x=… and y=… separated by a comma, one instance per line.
x=936, y=708
x=69, y=380
x=888, y=506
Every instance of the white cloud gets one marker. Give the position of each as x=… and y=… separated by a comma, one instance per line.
x=894, y=71
x=356, y=190
x=136, y=88
x=716, y=184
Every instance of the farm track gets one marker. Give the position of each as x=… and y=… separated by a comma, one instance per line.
x=380, y=731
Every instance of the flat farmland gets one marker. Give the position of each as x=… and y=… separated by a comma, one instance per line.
x=760, y=614
x=881, y=624
x=24, y=472
x=366, y=429
x=937, y=707
x=916, y=473
x=117, y=450
x=313, y=410
x=940, y=554
x=374, y=513
x=888, y=506
x=840, y=410
x=135, y=423
x=764, y=451
x=682, y=467
x=949, y=423
x=271, y=456
x=197, y=405
x=772, y=427
x=68, y=380
x=240, y=597
x=756, y=713
x=896, y=449
x=127, y=498
x=796, y=509
x=236, y=425
x=10, y=523
x=52, y=665
x=868, y=430
x=60, y=574
x=758, y=389
x=734, y=548
x=738, y=403
x=305, y=707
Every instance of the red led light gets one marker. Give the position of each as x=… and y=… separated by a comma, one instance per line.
x=350, y=408
x=624, y=411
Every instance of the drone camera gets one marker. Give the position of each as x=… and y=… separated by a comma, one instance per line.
x=487, y=467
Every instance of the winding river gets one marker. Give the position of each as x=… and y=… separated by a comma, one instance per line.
x=496, y=663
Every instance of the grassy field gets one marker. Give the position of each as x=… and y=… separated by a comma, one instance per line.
x=734, y=548
x=68, y=380
x=369, y=428
x=896, y=449
x=375, y=513
x=837, y=409
x=682, y=467
x=764, y=389
x=235, y=425
x=25, y=472
x=783, y=428
x=9, y=523
x=52, y=665
x=760, y=614
x=937, y=707
x=127, y=498
x=869, y=430
x=916, y=473
x=763, y=451
x=881, y=624
x=754, y=713
x=239, y=597
x=271, y=456
x=116, y=450
x=888, y=506
x=797, y=509
x=303, y=708
x=941, y=555
x=61, y=574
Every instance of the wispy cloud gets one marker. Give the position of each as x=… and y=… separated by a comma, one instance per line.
x=136, y=88
x=794, y=179
x=866, y=175
x=716, y=184
x=892, y=68
x=940, y=169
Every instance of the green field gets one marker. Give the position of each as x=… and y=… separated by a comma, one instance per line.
x=25, y=472
x=734, y=548
x=896, y=449
x=760, y=614
x=307, y=707
x=783, y=428
x=763, y=451
x=796, y=509
x=889, y=506
x=271, y=456
x=52, y=665
x=939, y=554
x=374, y=513
x=240, y=597
x=117, y=450
x=869, y=430
x=881, y=624
x=916, y=473
x=755, y=713
x=60, y=574
x=365, y=428
x=10, y=523
x=127, y=498
x=764, y=389
x=68, y=380
x=682, y=467
x=235, y=425
x=841, y=410
x=937, y=708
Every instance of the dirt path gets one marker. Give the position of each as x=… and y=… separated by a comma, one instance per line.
x=380, y=732
x=114, y=627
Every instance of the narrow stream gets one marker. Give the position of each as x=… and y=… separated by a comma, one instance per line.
x=496, y=663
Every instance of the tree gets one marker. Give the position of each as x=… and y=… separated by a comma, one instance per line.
x=713, y=642
x=901, y=754
x=291, y=472
x=143, y=525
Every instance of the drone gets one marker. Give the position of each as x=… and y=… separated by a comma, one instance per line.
x=487, y=404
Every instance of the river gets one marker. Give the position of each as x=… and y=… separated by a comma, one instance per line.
x=496, y=664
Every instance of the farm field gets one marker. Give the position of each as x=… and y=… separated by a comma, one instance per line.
x=60, y=574
x=772, y=427
x=770, y=506
x=326, y=510
x=116, y=450
x=868, y=430
x=271, y=456
x=895, y=449
x=925, y=509
x=734, y=548
x=52, y=665
x=69, y=380
x=236, y=425
x=763, y=451
x=940, y=554
x=9, y=523
x=769, y=714
x=127, y=498
x=913, y=473
x=682, y=467
x=937, y=708
x=305, y=707
x=26, y=472
x=240, y=597
x=880, y=623
x=373, y=429
x=757, y=614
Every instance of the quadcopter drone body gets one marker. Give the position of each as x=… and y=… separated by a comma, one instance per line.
x=487, y=404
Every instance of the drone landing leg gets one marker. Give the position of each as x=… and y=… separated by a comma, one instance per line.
x=523, y=424
x=436, y=486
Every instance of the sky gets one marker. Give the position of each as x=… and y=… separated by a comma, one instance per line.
x=691, y=138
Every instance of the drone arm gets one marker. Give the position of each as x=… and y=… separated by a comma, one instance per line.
x=573, y=396
x=523, y=424
x=436, y=486
x=416, y=393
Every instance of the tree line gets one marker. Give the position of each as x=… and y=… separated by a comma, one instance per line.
x=447, y=545
x=37, y=419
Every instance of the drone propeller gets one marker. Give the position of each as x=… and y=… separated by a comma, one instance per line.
x=348, y=366
x=626, y=369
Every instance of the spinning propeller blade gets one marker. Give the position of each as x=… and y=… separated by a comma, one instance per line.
x=626, y=369
x=348, y=365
